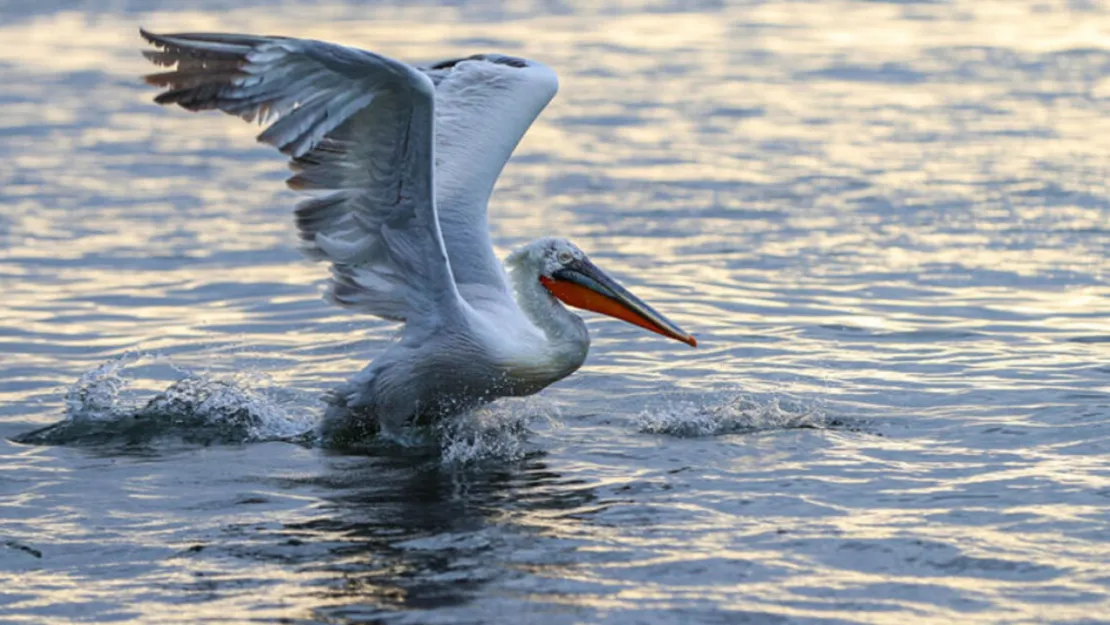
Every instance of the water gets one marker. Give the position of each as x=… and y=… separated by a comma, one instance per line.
x=884, y=221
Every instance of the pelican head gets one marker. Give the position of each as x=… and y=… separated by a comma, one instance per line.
x=568, y=274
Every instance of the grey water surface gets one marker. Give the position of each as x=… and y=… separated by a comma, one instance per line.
x=886, y=223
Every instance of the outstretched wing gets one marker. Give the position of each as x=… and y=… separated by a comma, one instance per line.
x=484, y=105
x=360, y=130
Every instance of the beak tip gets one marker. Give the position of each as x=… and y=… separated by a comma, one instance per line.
x=690, y=340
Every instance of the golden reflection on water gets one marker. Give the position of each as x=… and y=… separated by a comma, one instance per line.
x=227, y=192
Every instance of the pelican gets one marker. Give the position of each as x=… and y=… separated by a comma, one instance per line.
x=399, y=162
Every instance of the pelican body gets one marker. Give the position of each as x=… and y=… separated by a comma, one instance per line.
x=399, y=162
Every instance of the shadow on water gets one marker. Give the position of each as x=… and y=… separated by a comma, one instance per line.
x=399, y=531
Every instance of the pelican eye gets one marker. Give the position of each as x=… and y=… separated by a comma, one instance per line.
x=565, y=257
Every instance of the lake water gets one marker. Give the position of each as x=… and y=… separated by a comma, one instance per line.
x=886, y=223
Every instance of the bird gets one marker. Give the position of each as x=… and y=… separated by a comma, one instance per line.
x=398, y=162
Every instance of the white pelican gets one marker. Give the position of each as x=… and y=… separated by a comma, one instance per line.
x=401, y=161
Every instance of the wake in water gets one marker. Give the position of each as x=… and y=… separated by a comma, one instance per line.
x=686, y=418
x=101, y=409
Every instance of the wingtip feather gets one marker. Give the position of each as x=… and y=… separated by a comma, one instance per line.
x=153, y=38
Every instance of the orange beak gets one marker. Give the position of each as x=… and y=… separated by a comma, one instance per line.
x=582, y=285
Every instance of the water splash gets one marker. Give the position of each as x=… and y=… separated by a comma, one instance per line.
x=198, y=408
x=737, y=414
x=238, y=407
x=498, y=432
x=96, y=395
x=103, y=407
